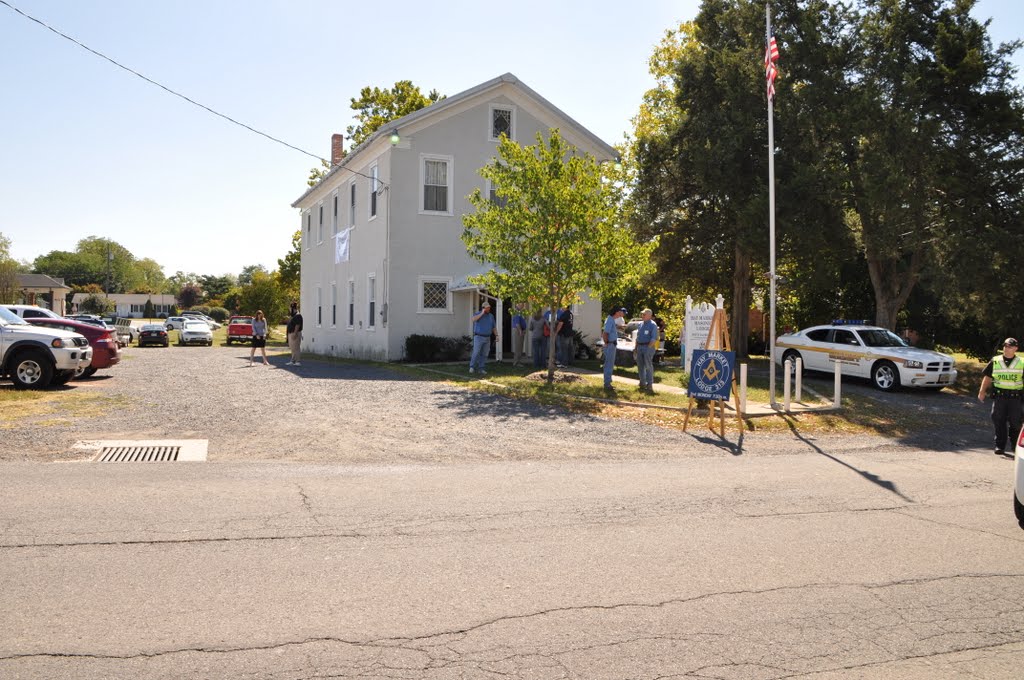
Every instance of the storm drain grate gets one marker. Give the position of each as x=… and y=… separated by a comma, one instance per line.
x=138, y=454
x=145, y=450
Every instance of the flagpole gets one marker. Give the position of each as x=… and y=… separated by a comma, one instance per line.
x=771, y=220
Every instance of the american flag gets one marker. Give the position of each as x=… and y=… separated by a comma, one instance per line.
x=771, y=55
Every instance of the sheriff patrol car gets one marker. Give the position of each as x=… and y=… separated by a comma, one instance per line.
x=867, y=352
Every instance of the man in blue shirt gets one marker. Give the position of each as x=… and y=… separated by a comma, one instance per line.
x=483, y=329
x=610, y=335
x=646, y=346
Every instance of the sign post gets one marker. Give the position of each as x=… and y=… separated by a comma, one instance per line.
x=712, y=374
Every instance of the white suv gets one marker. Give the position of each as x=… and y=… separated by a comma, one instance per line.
x=32, y=312
x=35, y=357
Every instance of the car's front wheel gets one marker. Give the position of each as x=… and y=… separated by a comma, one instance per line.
x=791, y=356
x=885, y=376
x=32, y=371
x=1018, y=510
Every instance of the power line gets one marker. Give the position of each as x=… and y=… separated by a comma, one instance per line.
x=167, y=89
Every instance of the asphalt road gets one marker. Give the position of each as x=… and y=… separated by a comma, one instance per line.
x=828, y=562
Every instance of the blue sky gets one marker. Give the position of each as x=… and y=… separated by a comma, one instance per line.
x=87, y=149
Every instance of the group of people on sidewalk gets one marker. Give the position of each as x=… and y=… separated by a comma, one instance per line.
x=539, y=327
x=647, y=337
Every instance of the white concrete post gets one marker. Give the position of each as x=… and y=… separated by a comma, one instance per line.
x=836, y=399
x=743, y=388
x=787, y=368
x=799, y=380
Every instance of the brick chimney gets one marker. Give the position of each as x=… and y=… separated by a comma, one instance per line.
x=337, y=149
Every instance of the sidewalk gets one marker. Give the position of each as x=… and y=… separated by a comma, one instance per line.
x=753, y=410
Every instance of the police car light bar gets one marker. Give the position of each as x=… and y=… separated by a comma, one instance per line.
x=850, y=322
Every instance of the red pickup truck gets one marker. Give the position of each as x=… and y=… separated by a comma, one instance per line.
x=240, y=329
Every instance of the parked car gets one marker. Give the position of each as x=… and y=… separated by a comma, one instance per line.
x=1018, y=477
x=625, y=354
x=154, y=334
x=239, y=329
x=87, y=318
x=195, y=333
x=105, y=348
x=174, y=323
x=202, y=317
x=32, y=312
x=867, y=352
x=35, y=357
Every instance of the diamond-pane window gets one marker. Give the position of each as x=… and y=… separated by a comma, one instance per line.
x=501, y=123
x=435, y=295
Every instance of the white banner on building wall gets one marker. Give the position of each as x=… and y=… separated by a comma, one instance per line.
x=341, y=246
x=696, y=326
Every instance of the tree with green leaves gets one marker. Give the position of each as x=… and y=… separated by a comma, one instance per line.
x=935, y=156
x=318, y=173
x=264, y=291
x=97, y=303
x=8, y=272
x=289, y=267
x=555, y=231
x=75, y=269
x=376, y=107
x=249, y=271
x=216, y=287
x=148, y=276
x=700, y=159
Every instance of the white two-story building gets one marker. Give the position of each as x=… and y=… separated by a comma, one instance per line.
x=382, y=256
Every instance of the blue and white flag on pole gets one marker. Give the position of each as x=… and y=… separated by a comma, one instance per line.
x=341, y=246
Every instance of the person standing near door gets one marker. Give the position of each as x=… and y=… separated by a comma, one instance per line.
x=1005, y=374
x=518, y=334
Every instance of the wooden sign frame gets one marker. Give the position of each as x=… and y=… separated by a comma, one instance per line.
x=718, y=338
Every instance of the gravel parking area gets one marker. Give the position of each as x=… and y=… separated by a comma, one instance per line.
x=347, y=412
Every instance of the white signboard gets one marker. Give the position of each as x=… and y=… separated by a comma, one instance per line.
x=696, y=326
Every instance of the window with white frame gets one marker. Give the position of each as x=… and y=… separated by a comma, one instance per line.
x=374, y=186
x=334, y=304
x=351, y=304
x=309, y=233
x=319, y=306
x=371, y=301
x=436, y=179
x=492, y=195
x=352, y=203
x=502, y=122
x=435, y=296
x=334, y=216
x=320, y=225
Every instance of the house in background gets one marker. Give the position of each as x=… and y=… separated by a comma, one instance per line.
x=382, y=256
x=131, y=305
x=43, y=290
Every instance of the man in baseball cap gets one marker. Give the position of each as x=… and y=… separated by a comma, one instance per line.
x=1005, y=374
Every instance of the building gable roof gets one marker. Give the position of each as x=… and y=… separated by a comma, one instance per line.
x=40, y=281
x=437, y=108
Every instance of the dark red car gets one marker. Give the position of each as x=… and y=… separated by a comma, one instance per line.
x=105, y=352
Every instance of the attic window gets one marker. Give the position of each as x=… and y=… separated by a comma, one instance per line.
x=502, y=122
